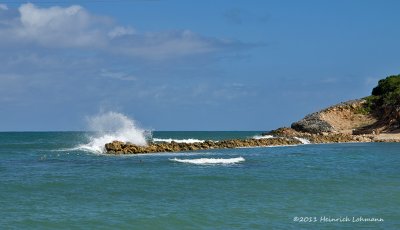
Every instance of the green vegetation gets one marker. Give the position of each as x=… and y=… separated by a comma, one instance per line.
x=365, y=110
x=386, y=94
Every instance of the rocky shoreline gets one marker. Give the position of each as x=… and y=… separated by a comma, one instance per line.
x=118, y=147
x=336, y=124
x=326, y=137
x=281, y=137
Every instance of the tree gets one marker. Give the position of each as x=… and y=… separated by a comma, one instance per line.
x=387, y=93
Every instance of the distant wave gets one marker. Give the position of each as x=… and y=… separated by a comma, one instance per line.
x=303, y=140
x=91, y=147
x=257, y=137
x=169, y=140
x=201, y=161
x=66, y=149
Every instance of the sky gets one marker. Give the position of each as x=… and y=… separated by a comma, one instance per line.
x=189, y=65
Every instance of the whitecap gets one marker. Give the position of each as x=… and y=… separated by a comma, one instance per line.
x=303, y=140
x=169, y=140
x=257, y=137
x=201, y=161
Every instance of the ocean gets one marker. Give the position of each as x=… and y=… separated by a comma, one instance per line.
x=61, y=180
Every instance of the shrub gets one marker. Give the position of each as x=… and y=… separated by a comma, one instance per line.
x=387, y=93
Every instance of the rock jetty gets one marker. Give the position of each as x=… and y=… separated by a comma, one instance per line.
x=118, y=147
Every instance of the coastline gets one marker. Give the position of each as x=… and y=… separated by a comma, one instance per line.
x=375, y=118
x=118, y=147
x=281, y=137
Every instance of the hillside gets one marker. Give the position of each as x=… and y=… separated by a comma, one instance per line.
x=375, y=114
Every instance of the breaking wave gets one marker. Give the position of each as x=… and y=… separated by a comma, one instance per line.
x=201, y=161
x=112, y=126
x=257, y=137
x=169, y=140
x=303, y=140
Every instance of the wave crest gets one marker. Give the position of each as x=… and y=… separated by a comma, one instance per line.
x=169, y=140
x=303, y=140
x=209, y=160
x=258, y=137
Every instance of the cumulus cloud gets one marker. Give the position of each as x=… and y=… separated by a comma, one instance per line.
x=75, y=27
x=59, y=27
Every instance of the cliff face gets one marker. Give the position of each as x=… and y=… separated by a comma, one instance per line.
x=346, y=117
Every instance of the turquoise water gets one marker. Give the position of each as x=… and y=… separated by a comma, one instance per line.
x=45, y=184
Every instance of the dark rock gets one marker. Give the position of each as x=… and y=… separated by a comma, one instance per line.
x=312, y=124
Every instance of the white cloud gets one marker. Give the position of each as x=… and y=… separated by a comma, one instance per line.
x=3, y=7
x=120, y=31
x=56, y=26
x=74, y=27
x=167, y=44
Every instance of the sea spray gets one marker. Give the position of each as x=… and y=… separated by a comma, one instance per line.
x=112, y=126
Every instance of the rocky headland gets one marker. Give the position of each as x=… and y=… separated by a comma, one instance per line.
x=375, y=118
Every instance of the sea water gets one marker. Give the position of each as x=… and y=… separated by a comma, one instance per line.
x=49, y=181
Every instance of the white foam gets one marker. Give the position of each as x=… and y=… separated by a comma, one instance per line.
x=258, y=137
x=169, y=140
x=109, y=127
x=201, y=161
x=303, y=140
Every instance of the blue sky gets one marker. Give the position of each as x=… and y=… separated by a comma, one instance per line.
x=189, y=65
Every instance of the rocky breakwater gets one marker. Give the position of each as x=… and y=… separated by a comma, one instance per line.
x=118, y=147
